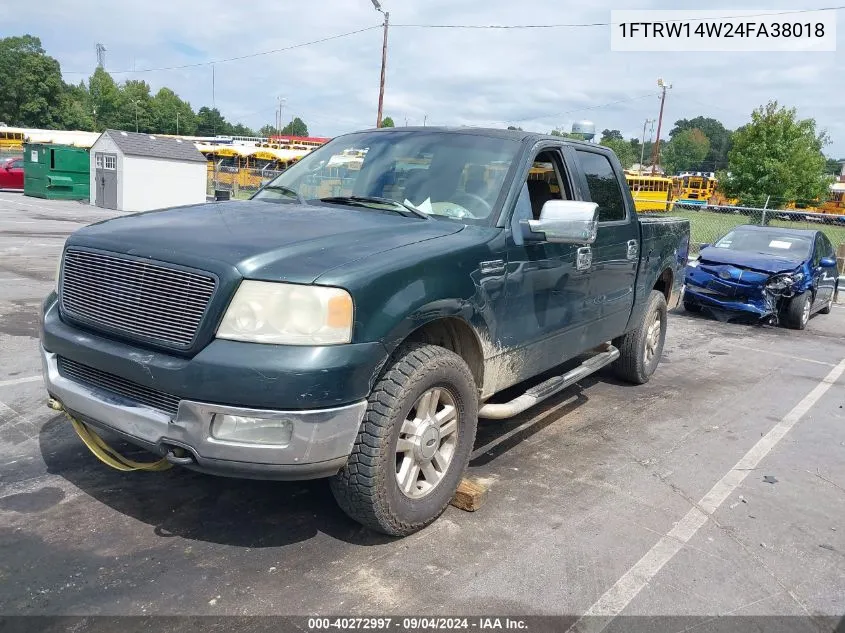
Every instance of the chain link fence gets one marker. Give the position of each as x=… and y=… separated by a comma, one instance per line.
x=237, y=183
x=709, y=223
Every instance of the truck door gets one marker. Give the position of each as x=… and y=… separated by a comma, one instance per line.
x=616, y=249
x=547, y=299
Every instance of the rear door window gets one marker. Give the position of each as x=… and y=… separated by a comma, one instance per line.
x=603, y=186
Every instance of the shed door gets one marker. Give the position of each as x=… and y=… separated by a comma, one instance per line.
x=106, y=172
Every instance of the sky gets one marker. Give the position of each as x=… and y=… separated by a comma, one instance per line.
x=537, y=79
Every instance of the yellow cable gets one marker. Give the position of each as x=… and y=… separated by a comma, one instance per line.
x=105, y=453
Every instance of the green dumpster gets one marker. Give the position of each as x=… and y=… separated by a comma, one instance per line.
x=58, y=172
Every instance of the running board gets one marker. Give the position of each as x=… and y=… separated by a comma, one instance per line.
x=547, y=389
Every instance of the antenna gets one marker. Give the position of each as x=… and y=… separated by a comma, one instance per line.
x=101, y=56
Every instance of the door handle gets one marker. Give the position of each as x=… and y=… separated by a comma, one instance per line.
x=584, y=258
x=633, y=249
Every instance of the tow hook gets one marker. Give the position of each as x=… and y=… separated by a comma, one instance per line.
x=178, y=456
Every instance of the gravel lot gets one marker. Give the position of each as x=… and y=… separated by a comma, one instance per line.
x=616, y=499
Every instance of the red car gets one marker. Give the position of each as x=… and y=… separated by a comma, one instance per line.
x=11, y=173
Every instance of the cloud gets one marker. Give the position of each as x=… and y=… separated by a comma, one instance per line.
x=537, y=79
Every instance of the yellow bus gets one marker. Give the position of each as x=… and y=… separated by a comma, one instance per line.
x=11, y=139
x=651, y=193
x=244, y=166
x=694, y=188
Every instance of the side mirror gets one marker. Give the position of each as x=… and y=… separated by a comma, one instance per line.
x=564, y=222
x=827, y=262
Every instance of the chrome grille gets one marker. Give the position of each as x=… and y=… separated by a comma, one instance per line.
x=91, y=377
x=137, y=298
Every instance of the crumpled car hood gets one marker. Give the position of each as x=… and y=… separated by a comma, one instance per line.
x=742, y=259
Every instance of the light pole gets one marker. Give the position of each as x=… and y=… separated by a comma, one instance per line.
x=282, y=101
x=655, y=152
x=136, y=102
x=642, y=145
x=377, y=5
x=177, y=123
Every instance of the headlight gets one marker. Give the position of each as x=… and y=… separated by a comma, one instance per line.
x=288, y=314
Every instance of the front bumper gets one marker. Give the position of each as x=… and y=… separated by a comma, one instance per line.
x=321, y=440
x=703, y=297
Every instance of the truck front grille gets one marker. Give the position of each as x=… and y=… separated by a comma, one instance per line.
x=153, y=398
x=140, y=299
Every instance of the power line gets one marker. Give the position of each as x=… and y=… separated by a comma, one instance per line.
x=595, y=107
x=594, y=24
x=232, y=59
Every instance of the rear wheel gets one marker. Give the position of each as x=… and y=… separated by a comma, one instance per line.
x=414, y=443
x=797, y=313
x=641, y=348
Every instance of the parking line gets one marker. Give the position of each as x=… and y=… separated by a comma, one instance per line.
x=789, y=356
x=19, y=381
x=615, y=599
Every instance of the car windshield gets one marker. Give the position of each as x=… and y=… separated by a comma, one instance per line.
x=773, y=243
x=450, y=175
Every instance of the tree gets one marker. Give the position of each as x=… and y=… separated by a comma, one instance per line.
x=387, y=122
x=776, y=155
x=268, y=130
x=75, y=110
x=834, y=167
x=136, y=107
x=210, y=122
x=31, y=84
x=685, y=151
x=106, y=100
x=239, y=129
x=513, y=127
x=563, y=134
x=611, y=135
x=622, y=149
x=296, y=127
x=718, y=135
x=171, y=115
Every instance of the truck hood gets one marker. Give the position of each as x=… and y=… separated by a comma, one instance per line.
x=262, y=240
x=743, y=259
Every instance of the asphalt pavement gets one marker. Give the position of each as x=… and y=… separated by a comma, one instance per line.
x=716, y=489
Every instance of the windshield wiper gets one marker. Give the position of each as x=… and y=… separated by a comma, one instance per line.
x=287, y=190
x=367, y=201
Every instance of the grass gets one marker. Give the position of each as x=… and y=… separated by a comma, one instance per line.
x=707, y=226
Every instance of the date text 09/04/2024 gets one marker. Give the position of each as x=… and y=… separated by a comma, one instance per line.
x=416, y=623
x=722, y=29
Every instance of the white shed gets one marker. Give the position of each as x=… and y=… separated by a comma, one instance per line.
x=140, y=172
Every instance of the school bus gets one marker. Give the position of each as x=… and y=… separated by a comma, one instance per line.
x=694, y=188
x=651, y=193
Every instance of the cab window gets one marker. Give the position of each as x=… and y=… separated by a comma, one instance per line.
x=603, y=185
x=546, y=181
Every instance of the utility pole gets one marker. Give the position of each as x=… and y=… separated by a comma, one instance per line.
x=136, y=101
x=377, y=5
x=655, y=152
x=642, y=144
x=279, y=126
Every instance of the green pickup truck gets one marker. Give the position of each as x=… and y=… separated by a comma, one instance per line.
x=355, y=318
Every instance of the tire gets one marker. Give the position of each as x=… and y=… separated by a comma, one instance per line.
x=797, y=312
x=368, y=487
x=641, y=348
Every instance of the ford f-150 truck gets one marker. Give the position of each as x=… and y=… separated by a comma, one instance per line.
x=354, y=319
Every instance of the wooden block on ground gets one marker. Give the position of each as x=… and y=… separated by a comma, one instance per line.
x=470, y=496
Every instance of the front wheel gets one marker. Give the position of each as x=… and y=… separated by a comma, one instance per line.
x=414, y=443
x=641, y=348
x=797, y=313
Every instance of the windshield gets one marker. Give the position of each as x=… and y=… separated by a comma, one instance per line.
x=440, y=174
x=775, y=243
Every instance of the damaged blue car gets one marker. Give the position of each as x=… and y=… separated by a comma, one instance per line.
x=779, y=275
